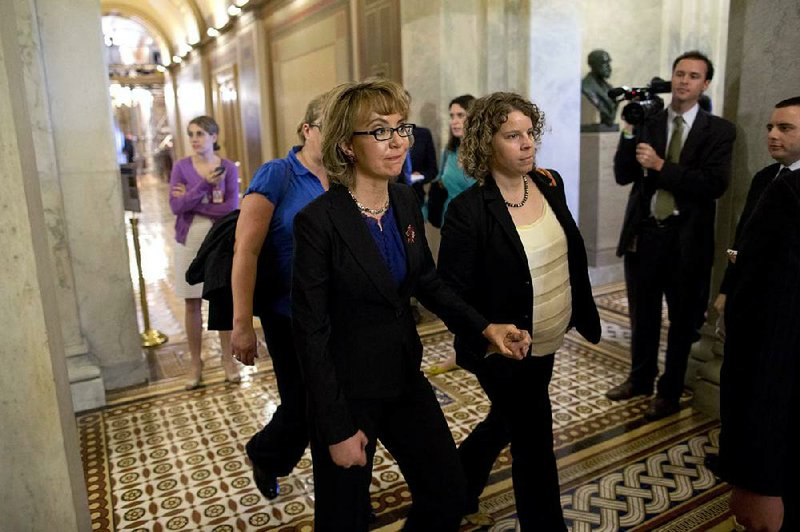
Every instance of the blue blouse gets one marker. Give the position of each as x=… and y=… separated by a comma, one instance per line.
x=390, y=244
x=290, y=186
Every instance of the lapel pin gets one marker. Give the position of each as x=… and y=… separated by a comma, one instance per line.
x=411, y=235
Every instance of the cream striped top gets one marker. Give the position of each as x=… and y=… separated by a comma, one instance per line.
x=546, y=248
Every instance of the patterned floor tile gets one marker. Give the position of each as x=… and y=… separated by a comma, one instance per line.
x=162, y=458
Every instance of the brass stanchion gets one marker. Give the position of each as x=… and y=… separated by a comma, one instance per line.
x=150, y=337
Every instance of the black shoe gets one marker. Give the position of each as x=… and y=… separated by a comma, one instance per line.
x=266, y=484
x=661, y=407
x=627, y=390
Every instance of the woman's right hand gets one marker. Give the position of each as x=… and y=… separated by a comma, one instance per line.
x=178, y=190
x=243, y=343
x=508, y=340
x=350, y=452
x=215, y=175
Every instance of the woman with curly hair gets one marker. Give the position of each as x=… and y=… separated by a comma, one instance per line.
x=511, y=248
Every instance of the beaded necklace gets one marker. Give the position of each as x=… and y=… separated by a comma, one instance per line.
x=377, y=212
x=524, y=196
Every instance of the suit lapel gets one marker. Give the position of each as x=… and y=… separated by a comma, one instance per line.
x=498, y=209
x=354, y=232
x=696, y=136
x=410, y=234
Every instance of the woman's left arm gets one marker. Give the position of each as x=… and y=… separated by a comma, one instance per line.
x=311, y=324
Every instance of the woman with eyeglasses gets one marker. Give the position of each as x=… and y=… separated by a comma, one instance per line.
x=360, y=255
x=263, y=249
x=511, y=248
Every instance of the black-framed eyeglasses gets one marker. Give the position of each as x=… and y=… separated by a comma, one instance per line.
x=385, y=133
x=316, y=125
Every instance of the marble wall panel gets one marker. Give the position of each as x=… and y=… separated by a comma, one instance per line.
x=42, y=486
x=555, y=88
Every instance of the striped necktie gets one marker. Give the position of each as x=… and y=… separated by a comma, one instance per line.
x=665, y=205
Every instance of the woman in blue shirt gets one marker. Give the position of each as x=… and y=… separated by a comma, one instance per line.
x=279, y=189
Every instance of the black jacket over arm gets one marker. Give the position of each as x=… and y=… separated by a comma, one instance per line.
x=701, y=176
x=354, y=331
x=760, y=181
x=481, y=257
x=761, y=368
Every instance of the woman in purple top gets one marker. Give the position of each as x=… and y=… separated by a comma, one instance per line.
x=203, y=188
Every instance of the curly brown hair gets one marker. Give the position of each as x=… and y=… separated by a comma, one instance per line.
x=346, y=105
x=486, y=116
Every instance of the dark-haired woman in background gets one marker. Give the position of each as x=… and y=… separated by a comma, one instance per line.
x=511, y=249
x=203, y=188
x=454, y=180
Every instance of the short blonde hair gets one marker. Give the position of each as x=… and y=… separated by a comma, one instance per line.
x=486, y=117
x=312, y=116
x=347, y=105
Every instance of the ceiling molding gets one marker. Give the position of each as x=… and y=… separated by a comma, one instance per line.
x=159, y=33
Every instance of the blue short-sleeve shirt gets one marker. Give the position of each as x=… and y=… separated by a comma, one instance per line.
x=290, y=186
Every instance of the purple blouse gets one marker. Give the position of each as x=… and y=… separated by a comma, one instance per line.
x=198, y=197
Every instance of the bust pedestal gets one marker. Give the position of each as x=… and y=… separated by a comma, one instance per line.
x=602, y=202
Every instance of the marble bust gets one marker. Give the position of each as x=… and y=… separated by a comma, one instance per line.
x=595, y=88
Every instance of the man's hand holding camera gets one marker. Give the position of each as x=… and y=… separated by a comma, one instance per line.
x=648, y=158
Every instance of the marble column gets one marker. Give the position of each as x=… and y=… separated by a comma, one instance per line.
x=91, y=229
x=43, y=487
x=554, y=84
x=762, y=68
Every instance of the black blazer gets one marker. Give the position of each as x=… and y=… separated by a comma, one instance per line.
x=757, y=186
x=353, y=327
x=701, y=176
x=481, y=257
x=760, y=378
x=423, y=154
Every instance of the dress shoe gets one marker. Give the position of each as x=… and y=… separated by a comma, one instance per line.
x=627, y=390
x=661, y=407
x=266, y=484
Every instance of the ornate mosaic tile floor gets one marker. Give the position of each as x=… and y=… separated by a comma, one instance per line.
x=176, y=461
x=160, y=458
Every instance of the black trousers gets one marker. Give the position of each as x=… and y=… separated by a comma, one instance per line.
x=413, y=429
x=520, y=414
x=659, y=267
x=278, y=447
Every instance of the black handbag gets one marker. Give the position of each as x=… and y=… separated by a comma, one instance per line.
x=437, y=196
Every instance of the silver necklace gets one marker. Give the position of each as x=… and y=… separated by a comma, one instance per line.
x=524, y=195
x=373, y=212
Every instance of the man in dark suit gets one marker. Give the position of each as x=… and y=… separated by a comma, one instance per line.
x=679, y=162
x=783, y=143
x=423, y=161
x=758, y=399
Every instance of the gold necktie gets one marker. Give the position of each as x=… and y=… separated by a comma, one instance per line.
x=665, y=202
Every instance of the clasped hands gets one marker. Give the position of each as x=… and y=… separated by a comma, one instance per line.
x=508, y=340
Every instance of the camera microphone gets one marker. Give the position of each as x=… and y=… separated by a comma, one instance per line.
x=617, y=92
x=660, y=85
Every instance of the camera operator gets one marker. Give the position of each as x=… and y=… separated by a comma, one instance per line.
x=679, y=161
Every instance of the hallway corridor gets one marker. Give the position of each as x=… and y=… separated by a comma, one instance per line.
x=160, y=458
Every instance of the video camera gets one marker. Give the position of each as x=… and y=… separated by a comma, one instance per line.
x=644, y=100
